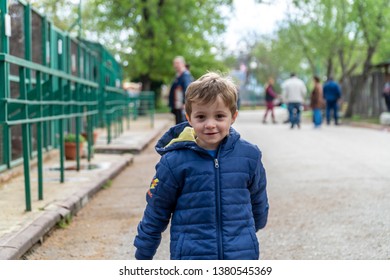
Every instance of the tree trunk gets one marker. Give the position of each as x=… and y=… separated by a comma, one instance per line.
x=146, y=82
x=329, y=68
x=358, y=86
x=354, y=88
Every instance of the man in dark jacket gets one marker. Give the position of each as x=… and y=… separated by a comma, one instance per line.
x=179, y=86
x=332, y=95
x=386, y=92
x=209, y=182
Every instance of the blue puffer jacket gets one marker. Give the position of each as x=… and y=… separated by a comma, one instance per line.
x=217, y=204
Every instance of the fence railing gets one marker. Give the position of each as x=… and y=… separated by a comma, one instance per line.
x=52, y=85
x=53, y=98
x=119, y=107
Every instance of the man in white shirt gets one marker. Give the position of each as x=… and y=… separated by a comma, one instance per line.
x=294, y=93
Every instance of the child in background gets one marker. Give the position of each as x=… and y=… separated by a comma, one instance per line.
x=209, y=182
x=317, y=102
x=270, y=96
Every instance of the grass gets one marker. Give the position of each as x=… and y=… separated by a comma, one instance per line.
x=65, y=222
x=107, y=185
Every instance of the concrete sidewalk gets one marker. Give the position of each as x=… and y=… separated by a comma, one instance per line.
x=20, y=230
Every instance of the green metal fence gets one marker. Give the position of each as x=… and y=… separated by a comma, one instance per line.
x=51, y=85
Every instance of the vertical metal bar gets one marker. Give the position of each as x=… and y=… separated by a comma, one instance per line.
x=61, y=134
x=91, y=137
x=28, y=56
x=25, y=136
x=122, y=118
x=68, y=55
x=78, y=96
x=117, y=122
x=101, y=93
x=108, y=115
x=137, y=102
x=53, y=85
x=27, y=41
x=128, y=112
x=78, y=130
x=4, y=85
x=45, y=53
x=39, y=136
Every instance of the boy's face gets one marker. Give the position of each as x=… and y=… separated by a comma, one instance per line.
x=211, y=123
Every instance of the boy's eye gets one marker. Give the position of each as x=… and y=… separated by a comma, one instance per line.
x=220, y=116
x=199, y=117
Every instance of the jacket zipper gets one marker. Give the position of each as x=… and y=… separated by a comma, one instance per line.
x=218, y=203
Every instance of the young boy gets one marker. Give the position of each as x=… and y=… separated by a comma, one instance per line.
x=209, y=179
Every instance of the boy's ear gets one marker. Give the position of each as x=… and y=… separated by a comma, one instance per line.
x=234, y=117
x=188, y=118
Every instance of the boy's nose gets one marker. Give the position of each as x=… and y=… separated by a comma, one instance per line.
x=210, y=124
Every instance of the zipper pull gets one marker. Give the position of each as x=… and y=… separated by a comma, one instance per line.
x=216, y=164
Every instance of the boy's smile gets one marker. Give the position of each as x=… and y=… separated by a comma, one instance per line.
x=211, y=123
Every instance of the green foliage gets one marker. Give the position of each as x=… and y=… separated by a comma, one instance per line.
x=63, y=13
x=326, y=37
x=149, y=34
x=70, y=137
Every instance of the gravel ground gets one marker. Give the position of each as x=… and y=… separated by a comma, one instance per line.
x=328, y=191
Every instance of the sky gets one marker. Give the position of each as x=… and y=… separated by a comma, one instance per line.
x=250, y=16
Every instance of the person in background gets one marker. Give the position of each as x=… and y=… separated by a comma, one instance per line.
x=293, y=93
x=317, y=102
x=270, y=96
x=179, y=86
x=332, y=95
x=386, y=92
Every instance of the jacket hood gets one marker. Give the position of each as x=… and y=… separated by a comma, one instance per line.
x=182, y=136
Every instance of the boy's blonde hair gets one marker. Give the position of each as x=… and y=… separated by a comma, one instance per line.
x=207, y=88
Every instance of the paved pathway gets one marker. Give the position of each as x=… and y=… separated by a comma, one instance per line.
x=329, y=192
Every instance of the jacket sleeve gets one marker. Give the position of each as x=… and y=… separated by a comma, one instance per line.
x=259, y=196
x=161, y=201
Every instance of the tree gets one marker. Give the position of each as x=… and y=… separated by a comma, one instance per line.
x=372, y=19
x=63, y=13
x=149, y=33
x=334, y=38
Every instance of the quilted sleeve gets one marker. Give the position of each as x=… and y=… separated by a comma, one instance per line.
x=259, y=198
x=161, y=201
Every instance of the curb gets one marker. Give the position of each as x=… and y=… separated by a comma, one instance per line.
x=128, y=149
x=15, y=247
x=20, y=242
x=368, y=125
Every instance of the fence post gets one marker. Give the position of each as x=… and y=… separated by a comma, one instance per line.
x=28, y=56
x=25, y=138
x=39, y=136
x=61, y=134
x=44, y=76
x=77, y=98
x=4, y=83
